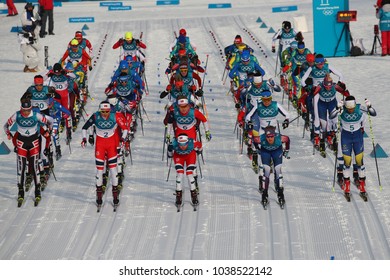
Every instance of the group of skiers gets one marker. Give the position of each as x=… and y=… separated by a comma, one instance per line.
x=306, y=79
x=53, y=103
x=56, y=101
x=183, y=135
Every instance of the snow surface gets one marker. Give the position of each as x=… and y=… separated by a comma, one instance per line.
x=230, y=223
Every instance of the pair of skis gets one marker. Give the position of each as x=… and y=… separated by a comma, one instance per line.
x=180, y=206
x=100, y=206
x=348, y=195
x=36, y=201
x=281, y=203
x=265, y=202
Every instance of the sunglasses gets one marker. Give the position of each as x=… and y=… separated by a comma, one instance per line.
x=105, y=112
x=270, y=136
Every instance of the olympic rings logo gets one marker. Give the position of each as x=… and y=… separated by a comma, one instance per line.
x=265, y=112
x=246, y=68
x=327, y=12
x=321, y=73
x=106, y=124
x=351, y=117
x=27, y=122
x=184, y=120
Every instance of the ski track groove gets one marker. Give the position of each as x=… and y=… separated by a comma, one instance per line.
x=237, y=221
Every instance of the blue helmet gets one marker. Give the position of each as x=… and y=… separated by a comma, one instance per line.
x=245, y=56
x=266, y=94
x=123, y=64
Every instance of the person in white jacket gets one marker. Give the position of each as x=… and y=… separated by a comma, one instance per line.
x=31, y=21
x=29, y=46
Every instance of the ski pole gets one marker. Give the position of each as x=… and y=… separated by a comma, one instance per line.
x=294, y=119
x=204, y=77
x=165, y=137
x=143, y=109
x=169, y=170
x=277, y=59
x=200, y=140
x=335, y=160
x=374, y=149
x=200, y=169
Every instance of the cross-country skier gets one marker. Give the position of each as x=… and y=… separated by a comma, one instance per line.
x=27, y=144
x=184, y=157
x=106, y=123
x=352, y=121
x=272, y=153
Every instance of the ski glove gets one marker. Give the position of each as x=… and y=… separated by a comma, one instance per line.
x=208, y=135
x=273, y=49
x=91, y=140
x=340, y=105
x=90, y=67
x=368, y=103
x=285, y=123
x=285, y=154
x=163, y=94
x=342, y=85
x=170, y=151
x=250, y=125
x=84, y=142
x=168, y=139
x=199, y=93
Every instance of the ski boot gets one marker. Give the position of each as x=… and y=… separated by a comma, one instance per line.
x=99, y=195
x=58, y=152
x=115, y=195
x=179, y=198
x=316, y=141
x=68, y=135
x=261, y=180
x=322, y=147
x=43, y=180
x=346, y=189
x=194, y=197
x=281, y=197
x=37, y=195
x=249, y=152
x=362, y=184
x=20, y=195
x=255, y=165
x=29, y=179
x=196, y=184
x=264, y=198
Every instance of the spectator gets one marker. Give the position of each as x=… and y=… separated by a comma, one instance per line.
x=383, y=15
x=12, y=11
x=30, y=19
x=46, y=11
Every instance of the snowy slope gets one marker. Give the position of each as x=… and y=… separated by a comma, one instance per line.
x=230, y=224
